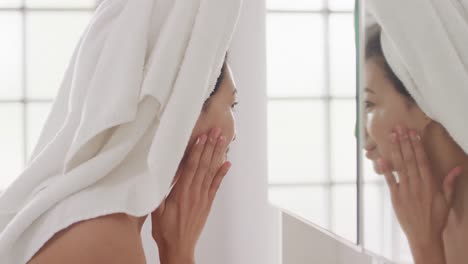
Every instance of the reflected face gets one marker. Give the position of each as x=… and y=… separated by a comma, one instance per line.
x=385, y=109
x=218, y=111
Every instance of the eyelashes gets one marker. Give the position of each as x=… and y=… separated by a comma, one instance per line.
x=368, y=105
x=234, y=105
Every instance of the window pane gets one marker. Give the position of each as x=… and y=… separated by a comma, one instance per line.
x=307, y=202
x=295, y=4
x=63, y=3
x=51, y=40
x=342, y=55
x=295, y=50
x=11, y=142
x=11, y=55
x=382, y=233
x=343, y=140
x=296, y=141
x=373, y=217
x=344, y=211
x=36, y=117
x=404, y=249
x=341, y=5
x=369, y=174
x=10, y=3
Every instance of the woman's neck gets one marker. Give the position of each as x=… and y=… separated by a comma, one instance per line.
x=444, y=155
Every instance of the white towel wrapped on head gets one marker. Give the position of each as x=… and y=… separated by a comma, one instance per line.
x=122, y=119
x=425, y=42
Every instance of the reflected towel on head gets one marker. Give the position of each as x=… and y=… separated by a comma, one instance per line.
x=426, y=44
x=122, y=118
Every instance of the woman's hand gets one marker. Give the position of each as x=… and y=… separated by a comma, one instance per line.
x=421, y=205
x=181, y=217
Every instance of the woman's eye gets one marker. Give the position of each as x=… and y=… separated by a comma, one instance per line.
x=233, y=106
x=368, y=105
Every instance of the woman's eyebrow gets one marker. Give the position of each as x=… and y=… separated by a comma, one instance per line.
x=369, y=90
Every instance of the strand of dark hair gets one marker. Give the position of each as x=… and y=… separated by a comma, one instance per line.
x=374, y=51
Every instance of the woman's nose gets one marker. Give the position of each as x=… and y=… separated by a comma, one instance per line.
x=366, y=139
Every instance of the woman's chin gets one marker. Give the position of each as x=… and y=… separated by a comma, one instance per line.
x=376, y=167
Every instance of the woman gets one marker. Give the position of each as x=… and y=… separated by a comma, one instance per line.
x=141, y=125
x=401, y=138
x=179, y=221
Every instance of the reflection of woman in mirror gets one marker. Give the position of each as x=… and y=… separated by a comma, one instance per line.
x=408, y=133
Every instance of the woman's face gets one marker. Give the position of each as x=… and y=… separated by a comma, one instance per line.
x=219, y=111
x=385, y=109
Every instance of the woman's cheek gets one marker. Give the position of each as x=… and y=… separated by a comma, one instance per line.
x=197, y=130
x=232, y=127
x=377, y=127
x=370, y=125
x=202, y=126
x=228, y=128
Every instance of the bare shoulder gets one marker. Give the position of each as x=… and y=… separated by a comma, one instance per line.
x=112, y=238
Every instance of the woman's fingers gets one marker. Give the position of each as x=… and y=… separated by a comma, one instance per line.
x=218, y=178
x=409, y=158
x=206, y=157
x=397, y=159
x=421, y=158
x=178, y=172
x=216, y=162
x=190, y=168
x=449, y=184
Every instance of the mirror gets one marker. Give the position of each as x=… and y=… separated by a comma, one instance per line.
x=413, y=96
x=312, y=112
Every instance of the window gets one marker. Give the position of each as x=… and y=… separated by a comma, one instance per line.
x=312, y=111
x=37, y=41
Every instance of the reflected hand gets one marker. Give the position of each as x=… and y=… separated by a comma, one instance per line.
x=181, y=217
x=421, y=205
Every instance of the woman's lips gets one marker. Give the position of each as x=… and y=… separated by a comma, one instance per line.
x=371, y=152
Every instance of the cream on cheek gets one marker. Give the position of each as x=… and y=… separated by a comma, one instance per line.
x=379, y=130
x=384, y=120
